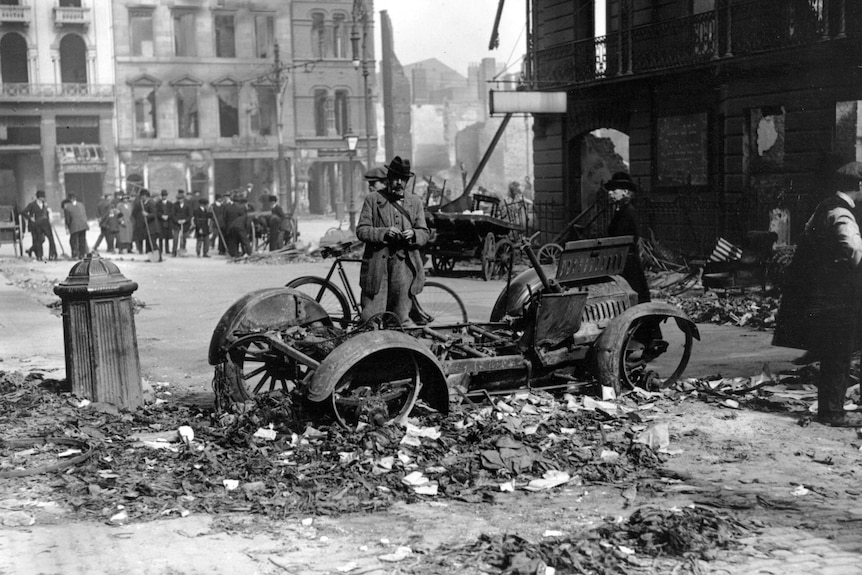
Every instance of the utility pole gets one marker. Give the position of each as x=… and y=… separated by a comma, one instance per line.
x=284, y=195
x=360, y=53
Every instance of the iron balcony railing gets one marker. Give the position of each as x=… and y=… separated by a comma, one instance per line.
x=66, y=15
x=733, y=29
x=14, y=14
x=80, y=154
x=56, y=91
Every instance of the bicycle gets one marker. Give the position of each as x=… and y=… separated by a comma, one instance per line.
x=436, y=304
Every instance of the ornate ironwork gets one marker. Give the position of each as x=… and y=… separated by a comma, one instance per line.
x=56, y=91
x=733, y=29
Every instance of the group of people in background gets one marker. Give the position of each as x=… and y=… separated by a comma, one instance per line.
x=145, y=224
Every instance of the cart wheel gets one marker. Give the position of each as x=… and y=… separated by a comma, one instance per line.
x=549, y=254
x=327, y=295
x=488, y=256
x=378, y=389
x=442, y=263
x=262, y=369
x=502, y=258
x=438, y=305
x=657, y=364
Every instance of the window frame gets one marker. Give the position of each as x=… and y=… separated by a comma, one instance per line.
x=190, y=44
x=141, y=13
x=270, y=32
x=217, y=33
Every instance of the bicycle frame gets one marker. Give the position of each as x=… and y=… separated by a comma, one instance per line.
x=342, y=275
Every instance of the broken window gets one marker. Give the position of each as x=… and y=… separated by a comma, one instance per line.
x=13, y=59
x=340, y=40
x=145, y=111
x=766, y=142
x=228, y=111
x=320, y=99
x=141, y=32
x=225, y=36
x=184, y=34
x=318, y=36
x=187, y=111
x=263, y=111
x=264, y=36
x=73, y=60
x=342, y=112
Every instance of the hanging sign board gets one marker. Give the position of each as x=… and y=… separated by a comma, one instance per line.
x=526, y=102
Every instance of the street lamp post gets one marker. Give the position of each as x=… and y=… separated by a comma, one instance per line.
x=351, y=139
x=360, y=16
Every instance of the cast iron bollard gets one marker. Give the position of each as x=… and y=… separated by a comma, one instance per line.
x=102, y=361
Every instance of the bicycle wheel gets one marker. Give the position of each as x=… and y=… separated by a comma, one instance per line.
x=327, y=295
x=441, y=305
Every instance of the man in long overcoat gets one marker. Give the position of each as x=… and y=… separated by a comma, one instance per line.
x=392, y=225
x=38, y=218
x=820, y=303
x=76, y=224
x=146, y=224
x=181, y=220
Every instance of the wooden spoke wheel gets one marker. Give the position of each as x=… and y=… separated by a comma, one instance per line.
x=442, y=263
x=263, y=369
x=549, y=254
x=503, y=258
x=489, y=254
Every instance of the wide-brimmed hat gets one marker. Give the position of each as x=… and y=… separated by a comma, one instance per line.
x=375, y=174
x=399, y=167
x=621, y=181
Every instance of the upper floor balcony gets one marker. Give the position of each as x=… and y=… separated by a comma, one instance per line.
x=15, y=15
x=56, y=92
x=71, y=16
x=734, y=29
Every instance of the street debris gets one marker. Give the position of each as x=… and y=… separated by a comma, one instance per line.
x=650, y=540
x=171, y=458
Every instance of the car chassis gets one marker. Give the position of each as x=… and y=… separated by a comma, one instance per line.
x=542, y=332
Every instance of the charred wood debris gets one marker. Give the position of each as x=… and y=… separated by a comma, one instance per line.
x=261, y=458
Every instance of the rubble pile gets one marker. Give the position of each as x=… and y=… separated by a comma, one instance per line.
x=753, y=310
x=650, y=540
x=169, y=459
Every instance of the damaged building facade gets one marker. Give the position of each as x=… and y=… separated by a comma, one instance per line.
x=722, y=110
x=57, y=94
x=123, y=94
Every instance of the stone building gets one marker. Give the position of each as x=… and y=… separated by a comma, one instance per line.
x=333, y=86
x=56, y=101
x=727, y=108
x=196, y=94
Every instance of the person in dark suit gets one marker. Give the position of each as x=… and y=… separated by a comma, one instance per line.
x=146, y=224
x=219, y=228
x=821, y=298
x=102, y=208
x=238, y=222
x=201, y=216
x=392, y=225
x=38, y=218
x=76, y=224
x=163, y=216
x=181, y=220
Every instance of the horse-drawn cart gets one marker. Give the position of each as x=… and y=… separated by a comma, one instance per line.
x=574, y=330
x=487, y=235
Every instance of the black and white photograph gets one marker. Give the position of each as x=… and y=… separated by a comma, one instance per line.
x=412, y=287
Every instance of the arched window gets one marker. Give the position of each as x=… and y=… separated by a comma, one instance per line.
x=340, y=39
x=13, y=59
x=318, y=36
x=320, y=98
x=342, y=112
x=73, y=60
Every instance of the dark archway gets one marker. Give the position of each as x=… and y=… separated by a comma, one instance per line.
x=13, y=59
x=73, y=60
